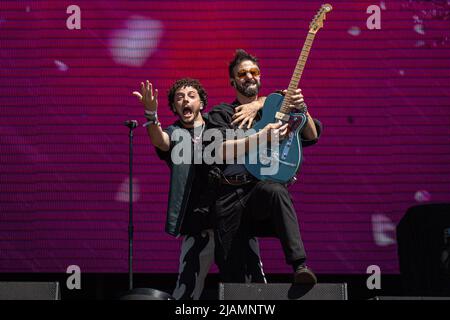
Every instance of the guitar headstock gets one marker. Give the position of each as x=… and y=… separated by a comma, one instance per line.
x=317, y=22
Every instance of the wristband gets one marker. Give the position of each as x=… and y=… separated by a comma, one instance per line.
x=155, y=121
x=151, y=117
x=149, y=112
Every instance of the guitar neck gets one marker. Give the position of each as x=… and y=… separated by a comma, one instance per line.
x=295, y=80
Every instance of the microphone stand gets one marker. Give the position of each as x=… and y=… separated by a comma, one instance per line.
x=132, y=124
x=139, y=293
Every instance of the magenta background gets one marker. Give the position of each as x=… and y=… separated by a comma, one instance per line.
x=382, y=96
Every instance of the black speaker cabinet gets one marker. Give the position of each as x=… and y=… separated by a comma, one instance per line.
x=423, y=237
x=282, y=291
x=30, y=291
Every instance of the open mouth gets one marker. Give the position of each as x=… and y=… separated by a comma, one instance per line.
x=187, y=111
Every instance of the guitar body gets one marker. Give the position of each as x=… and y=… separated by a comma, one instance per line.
x=271, y=162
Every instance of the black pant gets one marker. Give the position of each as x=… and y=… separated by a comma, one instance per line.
x=197, y=256
x=261, y=208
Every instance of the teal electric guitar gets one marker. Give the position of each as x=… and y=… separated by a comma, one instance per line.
x=281, y=162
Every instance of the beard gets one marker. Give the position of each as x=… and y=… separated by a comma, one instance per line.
x=247, y=89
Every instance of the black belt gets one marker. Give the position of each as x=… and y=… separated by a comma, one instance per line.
x=237, y=180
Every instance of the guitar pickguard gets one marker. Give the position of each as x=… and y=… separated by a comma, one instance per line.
x=294, y=123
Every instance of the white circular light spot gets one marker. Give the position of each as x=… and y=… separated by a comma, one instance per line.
x=61, y=65
x=422, y=196
x=136, y=42
x=354, y=31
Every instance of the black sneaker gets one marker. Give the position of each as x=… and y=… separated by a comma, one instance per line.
x=303, y=275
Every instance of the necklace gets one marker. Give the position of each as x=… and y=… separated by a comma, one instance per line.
x=197, y=139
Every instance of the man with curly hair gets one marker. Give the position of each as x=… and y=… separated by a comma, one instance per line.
x=190, y=196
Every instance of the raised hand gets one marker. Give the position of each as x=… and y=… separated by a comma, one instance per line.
x=147, y=97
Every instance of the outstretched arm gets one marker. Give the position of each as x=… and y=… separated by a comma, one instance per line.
x=275, y=130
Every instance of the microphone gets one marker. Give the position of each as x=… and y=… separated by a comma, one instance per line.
x=131, y=124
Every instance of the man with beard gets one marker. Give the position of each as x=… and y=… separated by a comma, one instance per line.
x=246, y=207
x=190, y=196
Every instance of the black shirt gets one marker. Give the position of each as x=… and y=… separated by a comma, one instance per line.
x=220, y=117
x=197, y=217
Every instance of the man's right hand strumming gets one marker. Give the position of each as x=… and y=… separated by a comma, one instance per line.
x=276, y=130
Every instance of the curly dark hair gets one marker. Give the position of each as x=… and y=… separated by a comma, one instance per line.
x=239, y=56
x=187, y=82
